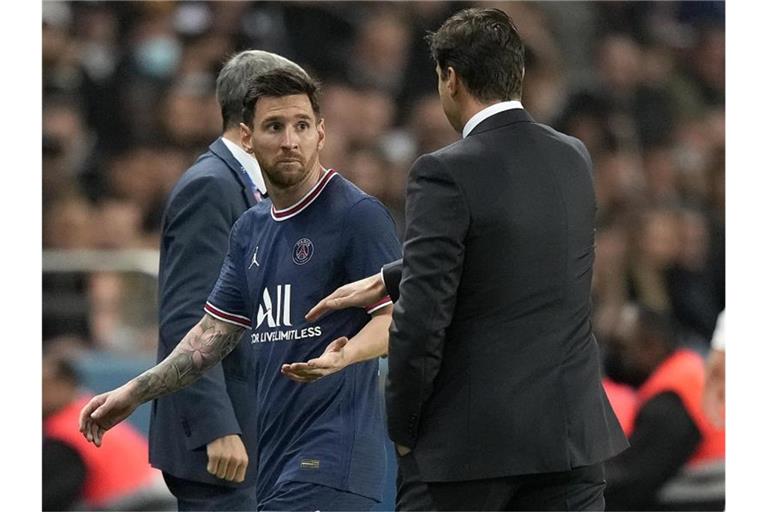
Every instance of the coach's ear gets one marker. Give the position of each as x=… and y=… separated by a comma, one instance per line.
x=245, y=137
x=320, y=134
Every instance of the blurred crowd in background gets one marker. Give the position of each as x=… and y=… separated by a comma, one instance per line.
x=129, y=103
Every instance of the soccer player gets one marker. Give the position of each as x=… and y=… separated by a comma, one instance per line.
x=320, y=446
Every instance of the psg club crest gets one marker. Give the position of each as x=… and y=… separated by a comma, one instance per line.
x=303, y=251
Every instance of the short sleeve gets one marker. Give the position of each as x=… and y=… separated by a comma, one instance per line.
x=371, y=242
x=226, y=301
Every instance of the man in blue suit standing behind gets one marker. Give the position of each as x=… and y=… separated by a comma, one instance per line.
x=199, y=437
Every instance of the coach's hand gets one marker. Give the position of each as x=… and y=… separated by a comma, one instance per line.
x=360, y=294
x=331, y=361
x=105, y=411
x=227, y=458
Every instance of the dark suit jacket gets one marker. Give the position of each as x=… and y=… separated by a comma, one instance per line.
x=201, y=209
x=493, y=367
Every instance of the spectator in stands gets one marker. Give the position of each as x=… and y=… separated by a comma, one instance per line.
x=76, y=473
x=655, y=248
x=120, y=306
x=676, y=455
x=67, y=224
x=714, y=389
x=692, y=286
x=380, y=53
x=428, y=127
x=619, y=184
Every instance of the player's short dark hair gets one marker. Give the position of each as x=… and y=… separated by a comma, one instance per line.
x=276, y=84
x=233, y=79
x=484, y=48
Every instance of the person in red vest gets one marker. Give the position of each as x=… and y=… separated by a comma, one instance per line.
x=677, y=456
x=78, y=474
x=623, y=399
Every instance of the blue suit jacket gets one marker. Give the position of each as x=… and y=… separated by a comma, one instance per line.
x=201, y=209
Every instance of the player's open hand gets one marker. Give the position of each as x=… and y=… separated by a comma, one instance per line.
x=331, y=361
x=227, y=458
x=104, y=412
x=358, y=294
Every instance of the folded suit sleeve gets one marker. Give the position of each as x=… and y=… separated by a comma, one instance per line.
x=392, y=272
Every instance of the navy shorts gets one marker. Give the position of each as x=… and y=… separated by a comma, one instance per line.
x=198, y=496
x=311, y=497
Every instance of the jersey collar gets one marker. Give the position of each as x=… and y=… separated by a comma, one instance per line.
x=304, y=202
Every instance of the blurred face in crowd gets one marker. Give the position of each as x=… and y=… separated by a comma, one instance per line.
x=660, y=238
x=286, y=138
x=619, y=63
x=429, y=125
x=694, y=236
x=58, y=390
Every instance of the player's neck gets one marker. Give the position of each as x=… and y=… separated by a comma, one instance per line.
x=286, y=197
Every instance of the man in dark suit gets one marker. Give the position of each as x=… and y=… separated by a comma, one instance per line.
x=494, y=397
x=199, y=437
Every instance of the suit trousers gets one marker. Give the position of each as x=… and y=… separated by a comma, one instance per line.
x=412, y=492
x=579, y=489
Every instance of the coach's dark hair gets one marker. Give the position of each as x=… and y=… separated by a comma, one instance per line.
x=278, y=83
x=234, y=77
x=483, y=47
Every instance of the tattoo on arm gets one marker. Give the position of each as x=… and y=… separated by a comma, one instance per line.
x=205, y=344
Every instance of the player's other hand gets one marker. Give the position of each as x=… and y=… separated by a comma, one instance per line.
x=331, y=361
x=105, y=411
x=227, y=458
x=359, y=294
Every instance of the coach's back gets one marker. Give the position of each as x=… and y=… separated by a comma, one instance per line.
x=518, y=388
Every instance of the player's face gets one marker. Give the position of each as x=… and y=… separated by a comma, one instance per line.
x=286, y=138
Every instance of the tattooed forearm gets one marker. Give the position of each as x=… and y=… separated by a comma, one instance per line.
x=205, y=344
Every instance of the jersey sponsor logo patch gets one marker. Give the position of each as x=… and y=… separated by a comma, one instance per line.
x=277, y=314
x=303, y=251
x=274, y=314
x=309, y=464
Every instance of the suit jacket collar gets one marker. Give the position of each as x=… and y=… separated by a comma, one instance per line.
x=219, y=149
x=504, y=118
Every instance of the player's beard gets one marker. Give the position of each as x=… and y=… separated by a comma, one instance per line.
x=288, y=175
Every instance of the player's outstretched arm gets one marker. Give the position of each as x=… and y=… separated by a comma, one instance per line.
x=370, y=342
x=205, y=344
x=358, y=294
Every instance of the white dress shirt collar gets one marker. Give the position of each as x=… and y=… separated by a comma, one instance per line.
x=250, y=164
x=488, y=112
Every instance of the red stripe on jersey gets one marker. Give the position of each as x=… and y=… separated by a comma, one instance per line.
x=303, y=203
x=227, y=317
x=386, y=301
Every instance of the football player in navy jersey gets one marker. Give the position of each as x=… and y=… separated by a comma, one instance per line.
x=321, y=446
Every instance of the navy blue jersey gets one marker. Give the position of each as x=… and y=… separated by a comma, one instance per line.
x=280, y=263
